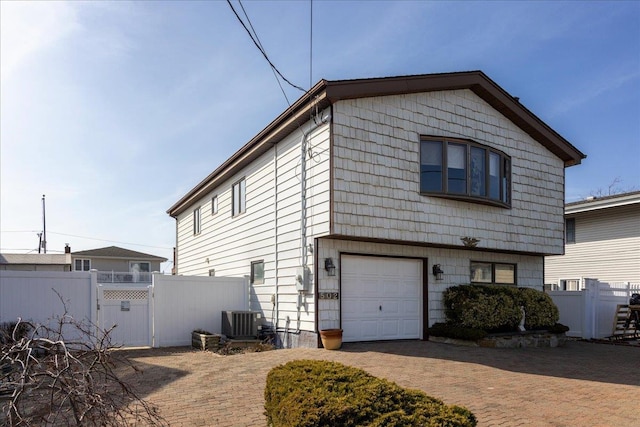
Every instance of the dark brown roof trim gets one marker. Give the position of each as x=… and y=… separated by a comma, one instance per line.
x=325, y=93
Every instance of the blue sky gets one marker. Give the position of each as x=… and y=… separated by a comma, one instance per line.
x=115, y=110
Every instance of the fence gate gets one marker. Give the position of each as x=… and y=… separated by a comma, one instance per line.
x=130, y=309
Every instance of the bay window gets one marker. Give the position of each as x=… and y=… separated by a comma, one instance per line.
x=473, y=171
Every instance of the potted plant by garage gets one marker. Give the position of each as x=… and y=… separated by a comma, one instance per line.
x=204, y=340
x=331, y=338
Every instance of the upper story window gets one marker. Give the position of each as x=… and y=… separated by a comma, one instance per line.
x=570, y=230
x=464, y=170
x=82, y=265
x=214, y=205
x=238, y=199
x=196, y=221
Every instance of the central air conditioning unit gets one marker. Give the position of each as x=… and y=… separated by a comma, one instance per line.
x=240, y=324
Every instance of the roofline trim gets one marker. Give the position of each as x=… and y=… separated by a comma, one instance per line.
x=325, y=93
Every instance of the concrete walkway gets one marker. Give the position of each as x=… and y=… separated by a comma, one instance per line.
x=581, y=384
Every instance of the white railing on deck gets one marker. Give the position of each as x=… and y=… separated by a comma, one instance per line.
x=123, y=277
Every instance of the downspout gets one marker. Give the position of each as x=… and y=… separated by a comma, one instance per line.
x=303, y=204
x=275, y=302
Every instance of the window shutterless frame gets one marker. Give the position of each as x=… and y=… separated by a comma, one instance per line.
x=257, y=272
x=238, y=197
x=497, y=273
x=464, y=170
x=196, y=221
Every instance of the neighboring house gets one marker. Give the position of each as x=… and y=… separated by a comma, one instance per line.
x=366, y=199
x=36, y=262
x=116, y=264
x=602, y=241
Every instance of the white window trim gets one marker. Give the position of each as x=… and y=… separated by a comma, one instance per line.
x=214, y=205
x=197, y=221
x=82, y=260
x=240, y=187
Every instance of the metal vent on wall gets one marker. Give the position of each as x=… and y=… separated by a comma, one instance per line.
x=240, y=324
x=125, y=295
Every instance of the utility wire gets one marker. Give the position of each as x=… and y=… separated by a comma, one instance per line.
x=273, y=70
x=262, y=50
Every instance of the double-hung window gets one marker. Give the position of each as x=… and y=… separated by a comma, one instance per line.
x=466, y=170
x=82, y=265
x=238, y=197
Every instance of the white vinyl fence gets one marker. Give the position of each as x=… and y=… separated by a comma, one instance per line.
x=160, y=314
x=41, y=297
x=590, y=312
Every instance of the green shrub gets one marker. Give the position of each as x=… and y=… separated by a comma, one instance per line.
x=495, y=308
x=313, y=393
x=490, y=308
x=458, y=332
x=540, y=311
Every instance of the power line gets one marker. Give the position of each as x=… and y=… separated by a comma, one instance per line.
x=262, y=50
x=109, y=241
x=83, y=237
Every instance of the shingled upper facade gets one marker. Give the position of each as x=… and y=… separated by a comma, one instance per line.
x=362, y=202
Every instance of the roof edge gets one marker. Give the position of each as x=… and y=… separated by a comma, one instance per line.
x=327, y=92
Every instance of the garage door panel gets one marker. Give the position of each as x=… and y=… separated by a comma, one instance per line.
x=389, y=308
x=390, y=329
x=381, y=298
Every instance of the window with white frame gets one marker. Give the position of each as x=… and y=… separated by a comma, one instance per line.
x=238, y=197
x=462, y=169
x=257, y=272
x=196, y=221
x=493, y=273
x=82, y=264
x=214, y=205
x=140, y=266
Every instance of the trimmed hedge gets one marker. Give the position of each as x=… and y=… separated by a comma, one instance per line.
x=315, y=393
x=495, y=308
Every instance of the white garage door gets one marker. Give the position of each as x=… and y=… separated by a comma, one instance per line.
x=381, y=298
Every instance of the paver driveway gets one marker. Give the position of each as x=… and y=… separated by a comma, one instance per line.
x=581, y=384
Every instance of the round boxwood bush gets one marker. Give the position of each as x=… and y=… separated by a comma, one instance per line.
x=495, y=308
x=490, y=308
x=315, y=393
x=540, y=311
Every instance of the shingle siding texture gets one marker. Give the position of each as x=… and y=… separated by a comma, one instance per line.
x=376, y=175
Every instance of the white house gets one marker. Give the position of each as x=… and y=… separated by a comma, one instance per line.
x=362, y=202
x=602, y=242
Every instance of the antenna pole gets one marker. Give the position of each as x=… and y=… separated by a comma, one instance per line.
x=44, y=229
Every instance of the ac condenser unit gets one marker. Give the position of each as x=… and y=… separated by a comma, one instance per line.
x=240, y=324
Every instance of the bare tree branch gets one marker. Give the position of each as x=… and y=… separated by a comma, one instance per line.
x=46, y=379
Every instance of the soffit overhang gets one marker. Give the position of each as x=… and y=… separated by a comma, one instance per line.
x=326, y=93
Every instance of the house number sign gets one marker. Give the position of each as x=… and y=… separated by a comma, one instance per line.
x=328, y=295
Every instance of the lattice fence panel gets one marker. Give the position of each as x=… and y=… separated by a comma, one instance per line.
x=126, y=294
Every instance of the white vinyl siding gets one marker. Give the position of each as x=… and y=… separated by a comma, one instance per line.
x=607, y=247
x=376, y=177
x=229, y=244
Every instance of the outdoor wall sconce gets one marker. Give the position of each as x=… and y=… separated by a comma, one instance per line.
x=329, y=266
x=437, y=271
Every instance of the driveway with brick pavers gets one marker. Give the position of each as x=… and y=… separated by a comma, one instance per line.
x=580, y=384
